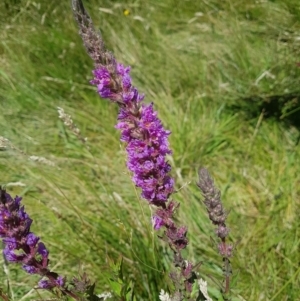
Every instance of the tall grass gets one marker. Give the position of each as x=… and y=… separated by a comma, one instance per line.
x=200, y=62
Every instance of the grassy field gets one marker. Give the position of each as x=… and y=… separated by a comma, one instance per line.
x=224, y=77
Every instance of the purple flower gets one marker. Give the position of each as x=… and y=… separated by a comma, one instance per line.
x=157, y=222
x=225, y=250
x=103, y=83
x=60, y=281
x=146, y=138
x=10, y=243
x=10, y=255
x=147, y=148
x=45, y=284
x=32, y=240
x=147, y=143
x=42, y=250
x=21, y=245
x=29, y=269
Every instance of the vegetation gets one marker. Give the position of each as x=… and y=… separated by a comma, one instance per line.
x=224, y=77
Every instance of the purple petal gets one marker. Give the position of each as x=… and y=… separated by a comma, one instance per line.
x=42, y=250
x=60, y=281
x=32, y=240
x=29, y=269
x=45, y=284
x=157, y=222
x=10, y=243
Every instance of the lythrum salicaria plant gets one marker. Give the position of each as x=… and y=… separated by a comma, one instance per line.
x=217, y=215
x=147, y=147
x=23, y=247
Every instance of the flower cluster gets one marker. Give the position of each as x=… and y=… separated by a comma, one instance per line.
x=218, y=216
x=147, y=148
x=215, y=210
x=21, y=245
x=146, y=138
x=146, y=141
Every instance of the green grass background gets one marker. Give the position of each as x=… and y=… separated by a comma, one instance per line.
x=201, y=63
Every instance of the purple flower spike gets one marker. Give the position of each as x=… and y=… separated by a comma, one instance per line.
x=147, y=140
x=21, y=245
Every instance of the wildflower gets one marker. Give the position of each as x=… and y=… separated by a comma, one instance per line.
x=164, y=296
x=203, y=288
x=213, y=203
x=105, y=295
x=146, y=138
x=157, y=222
x=218, y=217
x=126, y=12
x=21, y=245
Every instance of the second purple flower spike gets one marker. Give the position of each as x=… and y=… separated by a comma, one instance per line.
x=21, y=245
